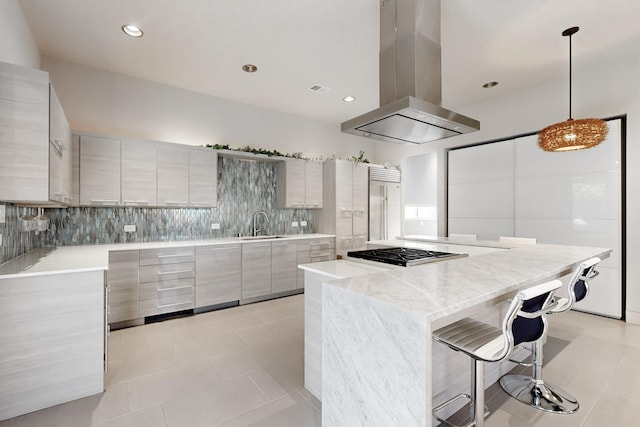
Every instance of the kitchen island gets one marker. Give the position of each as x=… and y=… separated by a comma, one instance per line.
x=377, y=350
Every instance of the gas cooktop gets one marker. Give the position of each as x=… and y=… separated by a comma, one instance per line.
x=404, y=257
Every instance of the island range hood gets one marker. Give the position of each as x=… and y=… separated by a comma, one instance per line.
x=410, y=79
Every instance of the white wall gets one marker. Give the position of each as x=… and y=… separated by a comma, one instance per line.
x=17, y=44
x=607, y=90
x=104, y=102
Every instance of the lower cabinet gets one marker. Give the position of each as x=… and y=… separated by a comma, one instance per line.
x=166, y=280
x=284, y=266
x=148, y=282
x=314, y=250
x=122, y=283
x=218, y=274
x=256, y=269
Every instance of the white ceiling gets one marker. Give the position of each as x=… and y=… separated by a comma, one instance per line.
x=201, y=45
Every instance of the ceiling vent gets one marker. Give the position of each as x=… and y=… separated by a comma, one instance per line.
x=319, y=88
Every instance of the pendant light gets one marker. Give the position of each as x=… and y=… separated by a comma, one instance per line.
x=572, y=134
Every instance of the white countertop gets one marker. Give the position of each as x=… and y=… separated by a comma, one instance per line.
x=66, y=259
x=339, y=269
x=439, y=289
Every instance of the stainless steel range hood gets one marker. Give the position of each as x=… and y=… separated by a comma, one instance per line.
x=410, y=79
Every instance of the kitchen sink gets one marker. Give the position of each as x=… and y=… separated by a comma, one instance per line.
x=261, y=237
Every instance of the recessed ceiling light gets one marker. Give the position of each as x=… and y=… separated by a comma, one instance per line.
x=348, y=99
x=490, y=85
x=249, y=68
x=132, y=30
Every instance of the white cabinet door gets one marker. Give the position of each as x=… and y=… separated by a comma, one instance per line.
x=203, y=177
x=60, y=164
x=24, y=134
x=256, y=269
x=122, y=279
x=218, y=274
x=344, y=198
x=313, y=184
x=139, y=180
x=99, y=171
x=360, y=188
x=173, y=175
x=290, y=183
x=284, y=266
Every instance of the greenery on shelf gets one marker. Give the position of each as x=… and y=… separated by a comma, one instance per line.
x=275, y=153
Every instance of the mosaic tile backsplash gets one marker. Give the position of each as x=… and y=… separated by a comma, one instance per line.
x=244, y=188
x=14, y=241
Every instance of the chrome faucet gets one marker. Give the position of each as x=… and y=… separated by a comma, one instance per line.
x=256, y=230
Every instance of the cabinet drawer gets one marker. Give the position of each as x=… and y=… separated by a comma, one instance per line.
x=166, y=288
x=168, y=272
x=316, y=256
x=316, y=244
x=167, y=304
x=166, y=256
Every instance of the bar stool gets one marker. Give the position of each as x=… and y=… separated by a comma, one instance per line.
x=532, y=390
x=524, y=322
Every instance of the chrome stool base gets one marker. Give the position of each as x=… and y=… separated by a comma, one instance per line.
x=539, y=395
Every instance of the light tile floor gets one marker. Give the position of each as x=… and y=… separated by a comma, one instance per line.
x=243, y=366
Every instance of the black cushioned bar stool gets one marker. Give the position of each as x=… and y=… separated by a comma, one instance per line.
x=532, y=390
x=524, y=322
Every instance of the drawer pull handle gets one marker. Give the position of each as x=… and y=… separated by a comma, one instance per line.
x=164, y=273
x=234, y=248
x=173, y=305
x=174, y=255
x=175, y=288
x=319, y=256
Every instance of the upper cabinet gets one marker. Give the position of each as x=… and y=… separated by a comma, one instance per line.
x=115, y=172
x=203, y=177
x=299, y=184
x=60, y=152
x=173, y=175
x=138, y=175
x=99, y=171
x=31, y=117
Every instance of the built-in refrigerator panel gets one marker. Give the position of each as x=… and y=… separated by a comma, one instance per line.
x=385, y=205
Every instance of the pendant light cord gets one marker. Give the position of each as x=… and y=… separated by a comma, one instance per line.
x=570, y=116
x=570, y=32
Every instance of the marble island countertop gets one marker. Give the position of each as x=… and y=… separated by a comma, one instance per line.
x=446, y=287
x=65, y=259
x=377, y=356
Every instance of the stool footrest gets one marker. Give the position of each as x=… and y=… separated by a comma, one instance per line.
x=450, y=401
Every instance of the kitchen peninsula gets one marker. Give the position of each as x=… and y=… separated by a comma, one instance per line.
x=56, y=304
x=377, y=353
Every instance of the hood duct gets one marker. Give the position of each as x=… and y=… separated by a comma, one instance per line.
x=410, y=79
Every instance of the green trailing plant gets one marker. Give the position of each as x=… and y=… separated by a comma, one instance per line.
x=275, y=153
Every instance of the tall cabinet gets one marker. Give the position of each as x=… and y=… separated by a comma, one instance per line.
x=345, y=210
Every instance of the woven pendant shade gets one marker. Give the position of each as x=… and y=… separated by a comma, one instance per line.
x=572, y=134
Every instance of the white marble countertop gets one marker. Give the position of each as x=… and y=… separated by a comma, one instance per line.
x=65, y=259
x=440, y=289
x=339, y=269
